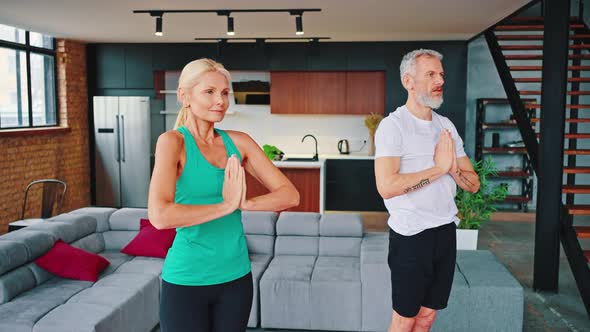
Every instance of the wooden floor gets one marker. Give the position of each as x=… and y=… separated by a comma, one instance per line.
x=377, y=221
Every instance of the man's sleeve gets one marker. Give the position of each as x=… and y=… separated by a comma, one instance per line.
x=459, y=150
x=388, y=140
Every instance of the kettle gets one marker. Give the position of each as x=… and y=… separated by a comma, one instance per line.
x=343, y=146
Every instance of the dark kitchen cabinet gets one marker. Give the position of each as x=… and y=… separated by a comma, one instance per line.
x=350, y=186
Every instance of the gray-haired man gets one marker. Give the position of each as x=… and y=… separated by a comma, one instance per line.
x=419, y=162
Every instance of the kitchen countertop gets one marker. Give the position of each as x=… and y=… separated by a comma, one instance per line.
x=320, y=163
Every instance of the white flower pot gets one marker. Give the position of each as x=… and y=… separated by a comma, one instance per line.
x=467, y=239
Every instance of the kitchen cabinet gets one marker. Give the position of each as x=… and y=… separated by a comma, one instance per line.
x=350, y=186
x=306, y=180
x=327, y=92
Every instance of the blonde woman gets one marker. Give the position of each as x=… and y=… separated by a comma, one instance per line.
x=198, y=187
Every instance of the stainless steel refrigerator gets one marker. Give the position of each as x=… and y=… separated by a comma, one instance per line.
x=122, y=151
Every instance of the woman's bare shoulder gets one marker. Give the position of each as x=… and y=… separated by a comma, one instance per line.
x=171, y=139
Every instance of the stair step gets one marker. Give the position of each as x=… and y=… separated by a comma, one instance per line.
x=539, y=68
x=512, y=174
x=578, y=152
x=578, y=209
x=576, y=170
x=537, y=37
x=583, y=232
x=538, y=47
x=530, y=27
x=573, y=136
x=538, y=93
x=516, y=199
x=576, y=189
x=568, y=106
x=539, y=79
x=537, y=19
x=582, y=120
x=540, y=56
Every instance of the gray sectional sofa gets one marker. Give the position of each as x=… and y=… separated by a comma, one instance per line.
x=310, y=272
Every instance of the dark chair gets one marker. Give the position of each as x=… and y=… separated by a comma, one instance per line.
x=52, y=195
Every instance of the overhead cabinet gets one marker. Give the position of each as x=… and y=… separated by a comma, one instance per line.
x=327, y=92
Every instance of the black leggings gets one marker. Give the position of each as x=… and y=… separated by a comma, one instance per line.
x=215, y=308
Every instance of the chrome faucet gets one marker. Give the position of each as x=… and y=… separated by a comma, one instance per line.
x=315, y=156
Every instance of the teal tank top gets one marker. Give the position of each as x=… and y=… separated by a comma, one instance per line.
x=213, y=252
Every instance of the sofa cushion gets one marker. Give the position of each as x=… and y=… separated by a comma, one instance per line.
x=80, y=317
x=137, y=306
x=150, y=241
x=21, y=316
x=84, y=224
x=16, y=282
x=91, y=243
x=290, y=267
x=127, y=219
x=341, y=224
x=116, y=259
x=340, y=246
x=298, y=223
x=259, y=264
x=58, y=289
x=117, y=240
x=336, y=294
x=12, y=254
x=260, y=244
x=101, y=214
x=67, y=261
x=285, y=293
x=297, y=245
x=36, y=242
x=138, y=265
x=60, y=230
x=337, y=269
x=259, y=222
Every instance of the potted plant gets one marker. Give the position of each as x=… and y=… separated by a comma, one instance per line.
x=476, y=208
x=372, y=122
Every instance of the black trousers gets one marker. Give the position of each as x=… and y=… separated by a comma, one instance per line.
x=215, y=308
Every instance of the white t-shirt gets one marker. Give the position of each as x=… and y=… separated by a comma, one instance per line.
x=403, y=135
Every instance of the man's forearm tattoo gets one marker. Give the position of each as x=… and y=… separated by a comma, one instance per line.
x=464, y=179
x=420, y=184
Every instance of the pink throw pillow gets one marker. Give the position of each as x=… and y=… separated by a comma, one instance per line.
x=150, y=241
x=70, y=262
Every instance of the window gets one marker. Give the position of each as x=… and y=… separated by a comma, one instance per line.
x=27, y=79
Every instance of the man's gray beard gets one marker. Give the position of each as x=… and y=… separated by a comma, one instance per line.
x=428, y=101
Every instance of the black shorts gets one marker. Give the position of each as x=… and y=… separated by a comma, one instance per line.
x=422, y=268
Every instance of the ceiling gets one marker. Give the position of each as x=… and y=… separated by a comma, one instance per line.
x=342, y=20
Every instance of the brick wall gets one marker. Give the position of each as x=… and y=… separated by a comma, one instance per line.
x=63, y=155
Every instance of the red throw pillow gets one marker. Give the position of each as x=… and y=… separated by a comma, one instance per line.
x=71, y=262
x=150, y=241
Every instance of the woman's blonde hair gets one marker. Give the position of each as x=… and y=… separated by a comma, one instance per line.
x=189, y=77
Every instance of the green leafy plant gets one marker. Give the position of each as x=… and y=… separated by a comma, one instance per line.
x=272, y=152
x=476, y=208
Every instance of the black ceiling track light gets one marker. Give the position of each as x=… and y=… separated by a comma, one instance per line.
x=298, y=22
x=158, y=16
x=298, y=13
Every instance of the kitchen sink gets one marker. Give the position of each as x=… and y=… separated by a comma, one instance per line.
x=301, y=159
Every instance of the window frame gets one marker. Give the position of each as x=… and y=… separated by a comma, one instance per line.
x=28, y=49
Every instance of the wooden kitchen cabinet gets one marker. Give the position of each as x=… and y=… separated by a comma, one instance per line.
x=324, y=92
x=306, y=180
x=365, y=92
